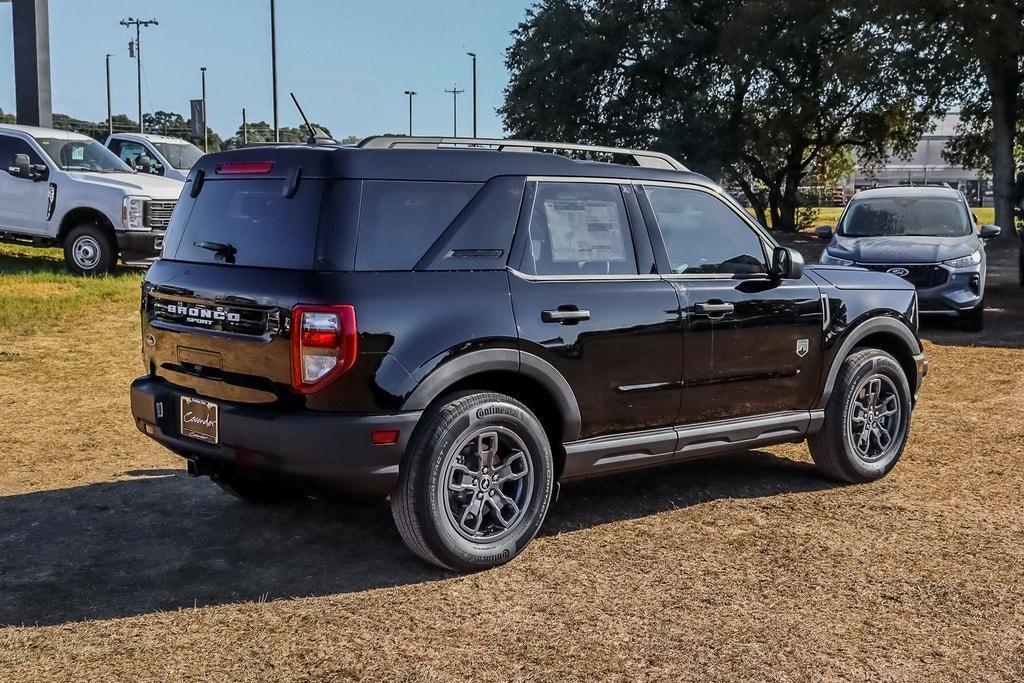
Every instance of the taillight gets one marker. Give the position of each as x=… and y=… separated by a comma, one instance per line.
x=323, y=344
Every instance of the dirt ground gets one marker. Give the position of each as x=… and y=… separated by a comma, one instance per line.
x=116, y=566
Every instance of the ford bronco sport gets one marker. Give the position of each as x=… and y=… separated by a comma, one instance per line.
x=459, y=328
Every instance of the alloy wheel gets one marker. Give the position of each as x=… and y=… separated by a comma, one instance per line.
x=875, y=424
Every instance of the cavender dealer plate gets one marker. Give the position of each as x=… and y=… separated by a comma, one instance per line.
x=199, y=419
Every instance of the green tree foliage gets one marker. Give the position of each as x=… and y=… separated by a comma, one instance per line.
x=750, y=92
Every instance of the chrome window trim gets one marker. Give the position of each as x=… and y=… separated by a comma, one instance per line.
x=581, y=278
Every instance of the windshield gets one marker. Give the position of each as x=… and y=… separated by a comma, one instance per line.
x=82, y=155
x=180, y=155
x=906, y=217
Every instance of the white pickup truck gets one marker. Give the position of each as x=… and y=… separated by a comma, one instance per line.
x=155, y=154
x=59, y=188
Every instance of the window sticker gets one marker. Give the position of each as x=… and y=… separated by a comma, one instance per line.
x=584, y=230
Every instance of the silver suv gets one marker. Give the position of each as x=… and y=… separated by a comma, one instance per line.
x=925, y=235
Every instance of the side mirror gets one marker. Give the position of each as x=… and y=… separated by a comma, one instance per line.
x=144, y=163
x=21, y=166
x=823, y=232
x=40, y=172
x=974, y=217
x=987, y=232
x=158, y=168
x=787, y=264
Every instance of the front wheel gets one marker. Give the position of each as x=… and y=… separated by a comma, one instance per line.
x=476, y=482
x=88, y=250
x=867, y=419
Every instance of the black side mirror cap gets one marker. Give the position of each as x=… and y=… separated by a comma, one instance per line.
x=787, y=264
x=987, y=232
x=21, y=166
x=823, y=232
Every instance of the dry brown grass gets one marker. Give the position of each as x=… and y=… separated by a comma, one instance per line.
x=747, y=567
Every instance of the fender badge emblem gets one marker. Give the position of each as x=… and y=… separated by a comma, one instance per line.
x=802, y=347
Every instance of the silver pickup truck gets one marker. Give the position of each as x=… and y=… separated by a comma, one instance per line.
x=59, y=188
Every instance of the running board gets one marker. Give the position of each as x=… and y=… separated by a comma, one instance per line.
x=606, y=454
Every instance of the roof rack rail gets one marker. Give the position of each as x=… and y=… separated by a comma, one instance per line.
x=643, y=158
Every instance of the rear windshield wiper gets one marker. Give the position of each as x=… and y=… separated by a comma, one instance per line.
x=221, y=249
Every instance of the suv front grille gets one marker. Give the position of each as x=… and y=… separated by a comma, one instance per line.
x=157, y=214
x=921, y=275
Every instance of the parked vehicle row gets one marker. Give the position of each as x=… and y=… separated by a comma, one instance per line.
x=68, y=190
x=461, y=329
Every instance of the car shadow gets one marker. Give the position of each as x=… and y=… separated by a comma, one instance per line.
x=163, y=541
x=19, y=263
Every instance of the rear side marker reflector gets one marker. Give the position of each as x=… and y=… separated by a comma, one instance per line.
x=244, y=167
x=385, y=437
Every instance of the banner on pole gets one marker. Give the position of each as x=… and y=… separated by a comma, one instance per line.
x=197, y=119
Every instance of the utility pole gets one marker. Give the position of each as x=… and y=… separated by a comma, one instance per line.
x=455, y=92
x=273, y=66
x=206, y=127
x=245, y=129
x=110, y=116
x=138, y=24
x=411, y=94
x=473, y=55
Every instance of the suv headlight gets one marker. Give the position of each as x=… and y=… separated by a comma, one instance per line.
x=133, y=213
x=972, y=259
x=830, y=260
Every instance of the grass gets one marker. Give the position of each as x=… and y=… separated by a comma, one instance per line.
x=37, y=293
x=829, y=215
x=748, y=567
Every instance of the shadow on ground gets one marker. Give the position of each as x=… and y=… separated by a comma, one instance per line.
x=37, y=262
x=163, y=541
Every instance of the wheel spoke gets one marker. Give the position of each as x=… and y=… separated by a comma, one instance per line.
x=882, y=436
x=515, y=467
x=864, y=440
x=474, y=510
x=487, y=448
x=890, y=406
x=502, y=504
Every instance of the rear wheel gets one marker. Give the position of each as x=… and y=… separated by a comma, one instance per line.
x=476, y=482
x=89, y=250
x=867, y=419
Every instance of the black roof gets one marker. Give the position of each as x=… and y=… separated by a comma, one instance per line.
x=445, y=164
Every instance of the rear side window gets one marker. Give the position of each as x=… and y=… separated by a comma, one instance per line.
x=400, y=220
x=253, y=216
x=579, y=229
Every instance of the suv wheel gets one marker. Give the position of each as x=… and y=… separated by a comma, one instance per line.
x=974, y=319
x=867, y=419
x=88, y=250
x=475, y=484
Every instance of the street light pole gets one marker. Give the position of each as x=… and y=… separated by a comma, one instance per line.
x=473, y=55
x=245, y=129
x=410, y=93
x=110, y=117
x=273, y=66
x=455, y=92
x=206, y=127
x=138, y=24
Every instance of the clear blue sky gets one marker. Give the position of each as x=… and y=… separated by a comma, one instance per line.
x=348, y=61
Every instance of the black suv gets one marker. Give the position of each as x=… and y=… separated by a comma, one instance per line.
x=460, y=325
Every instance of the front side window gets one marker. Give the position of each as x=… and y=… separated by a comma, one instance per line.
x=11, y=147
x=703, y=235
x=181, y=156
x=82, y=155
x=128, y=151
x=579, y=229
x=906, y=217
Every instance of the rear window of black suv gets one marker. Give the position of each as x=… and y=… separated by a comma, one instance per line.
x=252, y=215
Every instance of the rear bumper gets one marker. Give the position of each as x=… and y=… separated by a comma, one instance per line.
x=140, y=245
x=321, y=449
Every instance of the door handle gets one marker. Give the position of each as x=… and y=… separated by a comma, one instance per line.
x=715, y=310
x=565, y=315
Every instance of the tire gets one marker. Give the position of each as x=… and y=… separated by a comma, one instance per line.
x=461, y=522
x=257, y=491
x=836, y=449
x=974, y=319
x=89, y=250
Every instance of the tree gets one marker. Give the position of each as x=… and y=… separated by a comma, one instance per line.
x=986, y=38
x=690, y=77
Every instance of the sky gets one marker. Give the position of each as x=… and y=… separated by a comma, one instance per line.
x=347, y=61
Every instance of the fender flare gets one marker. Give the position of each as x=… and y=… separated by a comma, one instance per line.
x=507, y=360
x=883, y=324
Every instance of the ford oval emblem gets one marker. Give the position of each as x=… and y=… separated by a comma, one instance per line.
x=902, y=272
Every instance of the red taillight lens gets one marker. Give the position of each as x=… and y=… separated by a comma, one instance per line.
x=244, y=167
x=384, y=437
x=324, y=340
